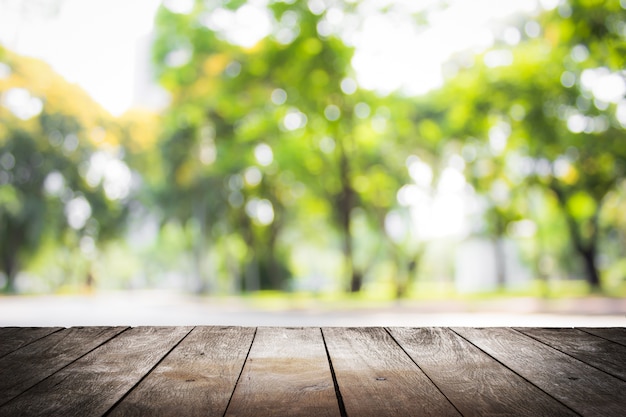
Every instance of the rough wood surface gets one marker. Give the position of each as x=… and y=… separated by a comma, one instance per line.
x=13, y=338
x=377, y=378
x=237, y=371
x=95, y=382
x=286, y=374
x=474, y=382
x=25, y=367
x=617, y=335
x=195, y=379
x=593, y=350
x=581, y=387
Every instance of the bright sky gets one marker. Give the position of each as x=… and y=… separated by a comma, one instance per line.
x=93, y=43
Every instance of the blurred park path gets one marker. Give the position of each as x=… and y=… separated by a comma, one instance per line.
x=165, y=308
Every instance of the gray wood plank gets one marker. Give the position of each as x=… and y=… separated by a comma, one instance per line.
x=195, y=379
x=607, y=356
x=287, y=373
x=474, y=382
x=377, y=378
x=614, y=334
x=581, y=387
x=26, y=367
x=93, y=384
x=13, y=338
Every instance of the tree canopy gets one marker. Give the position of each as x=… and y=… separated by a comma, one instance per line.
x=279, y=170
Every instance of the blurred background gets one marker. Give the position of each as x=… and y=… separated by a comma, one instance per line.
x=374, y=162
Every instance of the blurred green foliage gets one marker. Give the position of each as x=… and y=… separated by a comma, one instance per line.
x=272, y=169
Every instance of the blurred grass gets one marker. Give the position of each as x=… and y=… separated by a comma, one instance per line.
x=379, y=294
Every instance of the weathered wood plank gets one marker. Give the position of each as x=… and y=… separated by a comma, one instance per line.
x=93, y=384
x=377, y=378
x=474, y=382
x=13, y=338
x=616, y=334
x=195, y=379
x=607, y=356
x=581, y=387
x=287, y=373
x=26, y=367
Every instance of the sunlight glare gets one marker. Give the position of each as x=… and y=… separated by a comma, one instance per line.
x=332, y=113
x=498, y=58
x=54, y=184
x=77, y=212
x=252, y=176
x=279, y=96
x=362, y=110
x=263, y=154
x=605, y=85
x=21, y=103
x=395, y=226
x=244, y=27
x=498, y=137
x=294, y=119
x=179, y=6
x=421, y=173
x=327, y=144
x=261, y=210
x=110, y=171
x=348, y=86
x=451, y=181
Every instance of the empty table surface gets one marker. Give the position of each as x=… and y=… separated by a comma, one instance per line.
x=312, y=371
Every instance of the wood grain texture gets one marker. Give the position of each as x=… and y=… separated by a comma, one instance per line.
x=286, y=374
x=26, y=367
x=13, y=338
x=377, y=378
x=474, y=382
x=195, y=379
x=593, y=350
x=95, y=382
x=615, y=334
x=581, y=387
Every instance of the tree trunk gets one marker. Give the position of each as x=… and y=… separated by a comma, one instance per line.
x=203, y=282
x=11, y=273
x=586, y=249
x=500, y=262
x=591, y=268
x=10, y=263
x=345, y=206
x=274, y=271
x=252, y=279
x=409, y=270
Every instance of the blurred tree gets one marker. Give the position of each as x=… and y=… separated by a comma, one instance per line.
x=270, y=118
x=552, y=104
x=48, y=181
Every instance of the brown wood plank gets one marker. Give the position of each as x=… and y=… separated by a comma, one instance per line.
x=474, y=382
x=195, y=379
x=614, y=334
x=377, y=378
x=26, y=367
x=95, y=382
x=607, y=356
x=581, y=387
x=287, y=373
x=13, y=338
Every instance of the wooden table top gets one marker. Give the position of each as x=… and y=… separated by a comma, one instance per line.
x=312, y=371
